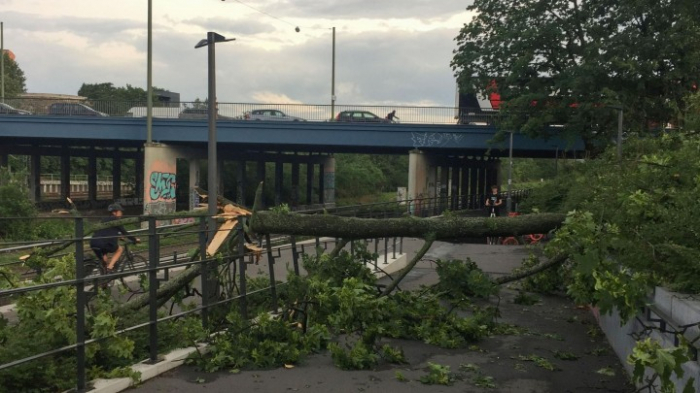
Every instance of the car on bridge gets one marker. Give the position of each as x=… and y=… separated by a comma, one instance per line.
x=200, y=113
x=9, y=110
x=360, y=117
x=73, y=109
x=270, y=115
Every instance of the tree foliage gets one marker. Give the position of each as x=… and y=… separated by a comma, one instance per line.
x=564, y=62
x=14, y=195
x=15, y=81
x=120, y=99
x=631, y=224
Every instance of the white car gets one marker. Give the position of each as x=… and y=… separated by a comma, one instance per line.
x=270, y=115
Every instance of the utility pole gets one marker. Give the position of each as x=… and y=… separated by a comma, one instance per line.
x=333, y=79
x=149, y=77
x=2, y=63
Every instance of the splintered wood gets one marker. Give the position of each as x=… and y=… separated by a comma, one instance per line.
x=231, y=214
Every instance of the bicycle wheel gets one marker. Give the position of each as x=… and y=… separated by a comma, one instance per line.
x=535, y=238
x=510, y=241
x=132, y=283
x=94, y=269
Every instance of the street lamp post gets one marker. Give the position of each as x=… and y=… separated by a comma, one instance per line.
x=210, y=42
x=333, y=79
x=149, y=76
x=2, y=62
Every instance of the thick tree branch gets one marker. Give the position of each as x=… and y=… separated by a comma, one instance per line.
x=443, y=228
x=429, y=239
x=556, y=261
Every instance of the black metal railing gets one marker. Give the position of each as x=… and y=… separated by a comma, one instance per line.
x=244, y=111
x=159, y=269
x=419, y=207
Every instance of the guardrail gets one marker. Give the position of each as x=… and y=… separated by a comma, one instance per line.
x=158, y=270
x=242, y=111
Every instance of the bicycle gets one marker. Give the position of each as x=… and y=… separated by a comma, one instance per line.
x=491, y=240
x=127, y=261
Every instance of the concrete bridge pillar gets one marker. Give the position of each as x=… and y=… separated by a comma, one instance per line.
x=194, y=182
x=454, y=188
x=444, y=186
x=309, y=183
x=159, y=184
x=92, y=176
x=35, y=178
x=116, y=176
x=141, y=178
x=260, y=171
x=321, y=185
x=417, y=175
x=240, y=182
x=475, y=197
x=279, y=180
x=464, y=186
x=65, y=174
x=295, y=184
x=328, y=189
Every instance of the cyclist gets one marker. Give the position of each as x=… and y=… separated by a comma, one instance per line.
x=494, y=201
x=106, y=241
x=391, y=116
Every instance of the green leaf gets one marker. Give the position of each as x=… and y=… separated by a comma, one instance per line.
x=606, y=371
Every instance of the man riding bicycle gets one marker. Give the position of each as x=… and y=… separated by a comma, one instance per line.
x=494, y=201
x=106, y=241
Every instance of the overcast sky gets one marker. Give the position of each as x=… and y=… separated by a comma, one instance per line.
x=387, y=51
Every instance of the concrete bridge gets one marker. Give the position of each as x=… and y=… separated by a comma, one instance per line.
x=445, y=159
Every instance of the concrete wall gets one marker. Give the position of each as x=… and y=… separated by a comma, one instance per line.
x=679, y=309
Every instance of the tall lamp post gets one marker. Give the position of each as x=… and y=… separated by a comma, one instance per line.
x=149, y=76
x=210, y=42
x=333, y=79
x=2, y=62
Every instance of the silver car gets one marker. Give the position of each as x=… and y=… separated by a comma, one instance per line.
x=270, y=115
x=8, y=110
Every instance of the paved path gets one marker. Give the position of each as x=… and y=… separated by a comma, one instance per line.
x=552, y=326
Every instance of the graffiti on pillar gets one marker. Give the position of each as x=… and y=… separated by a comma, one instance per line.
x=435, y=139
x=158, y=208
x=162, y=186
x=159, y=182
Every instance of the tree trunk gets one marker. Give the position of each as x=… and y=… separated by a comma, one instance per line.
x=442, y=228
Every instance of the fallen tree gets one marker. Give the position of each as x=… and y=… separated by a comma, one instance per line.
x=344, y=228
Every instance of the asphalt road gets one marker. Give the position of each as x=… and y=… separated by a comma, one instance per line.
x=512, y=363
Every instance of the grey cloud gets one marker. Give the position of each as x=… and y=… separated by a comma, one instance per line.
x=225, y=25
x=382, y=68
x=88, y=27
x=382, y=9
x=378, y=67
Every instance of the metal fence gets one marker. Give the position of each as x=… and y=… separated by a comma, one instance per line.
x=419, y=207
x=158, y=269
x=239, y=111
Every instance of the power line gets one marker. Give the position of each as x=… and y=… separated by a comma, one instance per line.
x=296, y=27
x=263, y=12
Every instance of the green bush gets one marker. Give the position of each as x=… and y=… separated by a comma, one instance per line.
x=14, y=195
